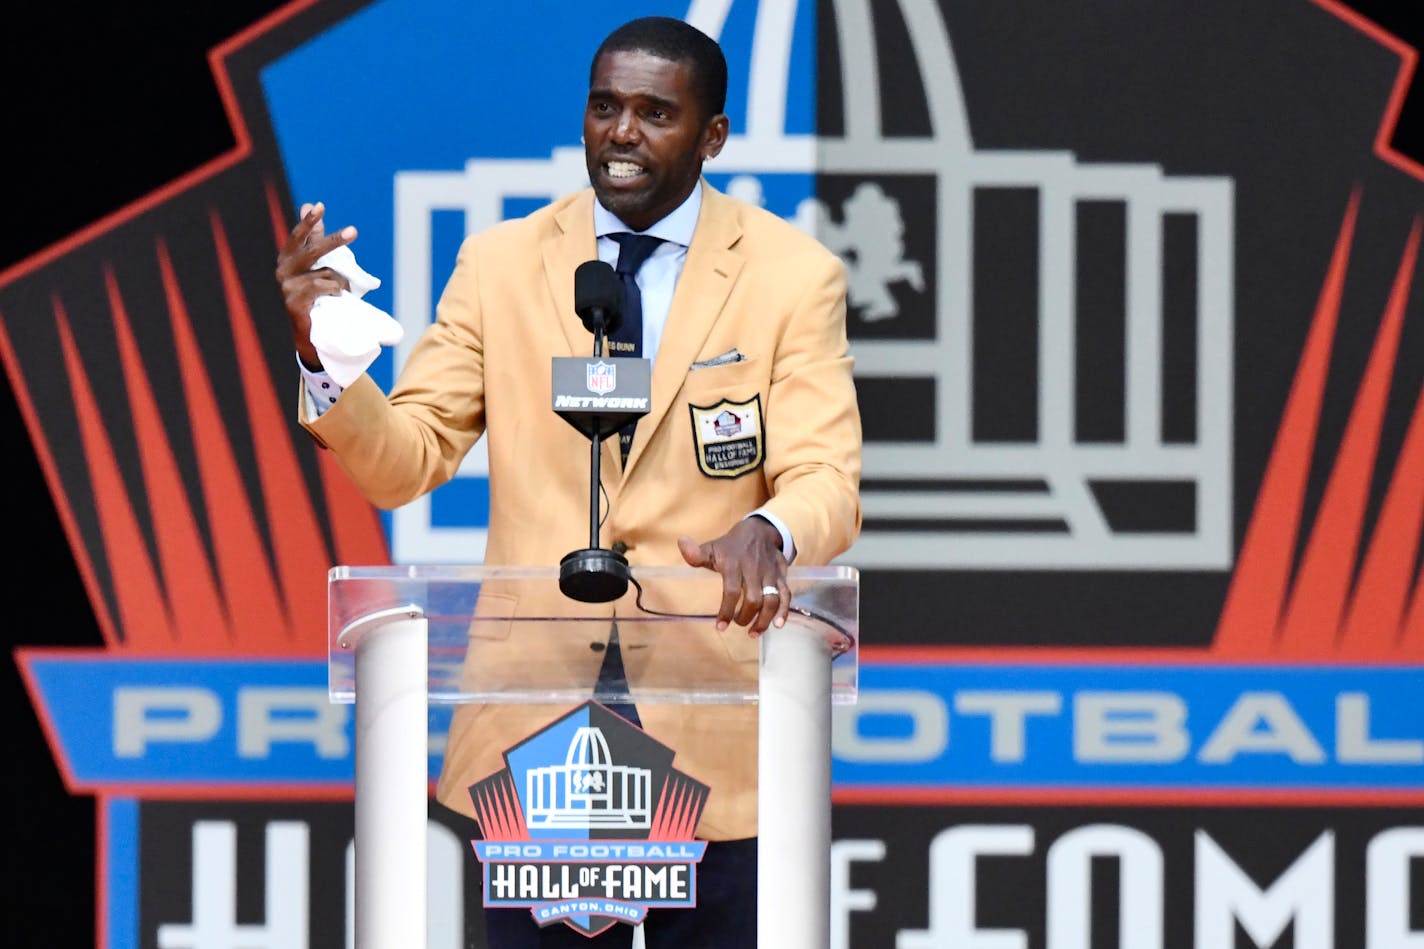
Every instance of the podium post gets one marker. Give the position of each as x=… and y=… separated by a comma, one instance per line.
x=392, y=722
x=794, y=789
x=402, y=638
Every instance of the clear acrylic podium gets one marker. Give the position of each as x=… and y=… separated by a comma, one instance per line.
x=401, y=638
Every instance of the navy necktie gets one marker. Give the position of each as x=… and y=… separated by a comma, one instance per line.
x=628, y=339
x=614, y=679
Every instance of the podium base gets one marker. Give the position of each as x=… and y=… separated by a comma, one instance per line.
x=594, y=575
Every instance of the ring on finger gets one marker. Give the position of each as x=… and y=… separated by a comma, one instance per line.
x=770, y=590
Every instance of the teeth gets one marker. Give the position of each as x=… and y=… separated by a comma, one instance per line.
x=623, y=169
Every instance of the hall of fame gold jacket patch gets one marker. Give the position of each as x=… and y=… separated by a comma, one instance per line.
x=728, y=437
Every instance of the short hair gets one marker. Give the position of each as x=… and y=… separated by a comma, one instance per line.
x=676, y=41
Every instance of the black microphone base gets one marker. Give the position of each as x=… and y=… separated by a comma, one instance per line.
x=594, y=575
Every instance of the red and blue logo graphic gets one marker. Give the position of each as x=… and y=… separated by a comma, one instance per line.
x=589, y=825
x=601, y=377
x=1143, y=400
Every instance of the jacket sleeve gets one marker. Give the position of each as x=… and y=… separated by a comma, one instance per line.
x=813, y=432
x=398, y=448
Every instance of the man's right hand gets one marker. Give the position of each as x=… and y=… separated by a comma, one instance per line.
x=301, y=285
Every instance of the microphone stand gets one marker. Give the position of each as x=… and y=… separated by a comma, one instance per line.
x=595, y=458
x=595, y=574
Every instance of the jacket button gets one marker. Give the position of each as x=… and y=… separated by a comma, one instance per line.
x=597, y=646
x=620, y=547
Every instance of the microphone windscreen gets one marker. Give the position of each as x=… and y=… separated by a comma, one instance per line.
x=597, y=287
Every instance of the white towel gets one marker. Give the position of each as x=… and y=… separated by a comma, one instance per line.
x=348, y=332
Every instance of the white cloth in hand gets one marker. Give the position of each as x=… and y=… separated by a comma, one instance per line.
x=348, y=332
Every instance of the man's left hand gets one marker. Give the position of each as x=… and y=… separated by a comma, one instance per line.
x=752, y=566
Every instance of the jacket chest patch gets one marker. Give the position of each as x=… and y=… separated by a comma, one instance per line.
x=728, y=437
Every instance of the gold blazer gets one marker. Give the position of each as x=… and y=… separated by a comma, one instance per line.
x=751, y=283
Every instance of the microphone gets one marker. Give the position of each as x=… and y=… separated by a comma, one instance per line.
x=598, y=396
x=598, y=299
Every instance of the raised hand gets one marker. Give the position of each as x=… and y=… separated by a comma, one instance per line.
x=300, y=284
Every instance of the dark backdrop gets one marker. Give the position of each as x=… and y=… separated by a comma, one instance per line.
x=103, y=104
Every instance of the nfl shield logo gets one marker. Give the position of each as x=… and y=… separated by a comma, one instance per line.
x=602, y=377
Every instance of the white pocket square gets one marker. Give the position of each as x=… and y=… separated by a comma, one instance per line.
x=731, y=355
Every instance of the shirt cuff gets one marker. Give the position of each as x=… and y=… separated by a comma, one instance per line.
x=788, y=546
x=322, y=390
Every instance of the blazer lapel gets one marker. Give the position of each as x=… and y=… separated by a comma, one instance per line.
x=575, y=244
x=707, y=278
x=563, y=252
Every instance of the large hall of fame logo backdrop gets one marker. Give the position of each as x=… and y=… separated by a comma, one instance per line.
x=1137, y=340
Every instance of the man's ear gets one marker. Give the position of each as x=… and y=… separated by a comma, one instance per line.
x=714, y=136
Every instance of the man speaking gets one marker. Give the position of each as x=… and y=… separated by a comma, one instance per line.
x=747, y=460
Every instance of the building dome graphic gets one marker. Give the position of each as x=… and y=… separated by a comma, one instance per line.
x=903, y=212
x=589, y=790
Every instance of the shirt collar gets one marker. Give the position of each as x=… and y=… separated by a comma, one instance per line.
x=676, y=227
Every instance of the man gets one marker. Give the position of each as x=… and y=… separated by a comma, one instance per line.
x=742, y=314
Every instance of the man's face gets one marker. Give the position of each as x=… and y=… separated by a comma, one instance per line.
x=645, y=137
